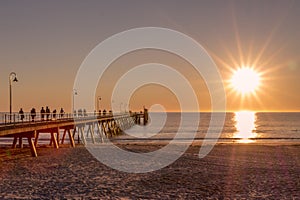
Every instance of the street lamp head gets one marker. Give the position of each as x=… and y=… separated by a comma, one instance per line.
x=13, y=77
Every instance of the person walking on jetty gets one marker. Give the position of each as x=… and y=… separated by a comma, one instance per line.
x=62, y=113
x=47, y=113
x=21, y=112
x=33, y=114
x=54, y=114
x=42, y=113
x=80, y=112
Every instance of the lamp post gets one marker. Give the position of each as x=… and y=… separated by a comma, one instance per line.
x=74, y=93
x=98, y=103
x=11, y=78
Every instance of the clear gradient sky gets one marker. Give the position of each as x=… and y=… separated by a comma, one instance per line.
x=45, y=42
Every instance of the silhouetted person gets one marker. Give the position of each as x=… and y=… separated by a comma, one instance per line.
x=21, y=112
x=62, y=113
x=84, y=112
x=79, y=112
x=47, y=112
x=104, y=112
x=42, y=113
x=54, y=113
x=99, y=112
x=33, y=114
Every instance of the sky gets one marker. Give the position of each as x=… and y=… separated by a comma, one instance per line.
x=45, y=43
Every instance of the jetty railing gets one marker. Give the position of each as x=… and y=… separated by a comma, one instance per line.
x=15, y=118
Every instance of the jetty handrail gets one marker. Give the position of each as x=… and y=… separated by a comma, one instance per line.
x=15, y=118
x=22, y=127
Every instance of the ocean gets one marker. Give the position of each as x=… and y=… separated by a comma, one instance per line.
x=245, y=126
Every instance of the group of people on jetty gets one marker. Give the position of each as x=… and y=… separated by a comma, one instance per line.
x=46, y=114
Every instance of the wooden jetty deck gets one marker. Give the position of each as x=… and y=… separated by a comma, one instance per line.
x=106, y=126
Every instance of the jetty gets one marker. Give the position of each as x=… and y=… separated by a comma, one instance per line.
x=93, y=125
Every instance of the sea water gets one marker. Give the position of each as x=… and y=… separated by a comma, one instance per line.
x=245, y=126
x=237, y=126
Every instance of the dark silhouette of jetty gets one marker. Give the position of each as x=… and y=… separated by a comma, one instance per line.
x=29, y=127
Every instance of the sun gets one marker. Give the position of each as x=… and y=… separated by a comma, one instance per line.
x=245, y=80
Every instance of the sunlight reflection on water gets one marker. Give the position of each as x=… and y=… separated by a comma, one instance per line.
x=245, y=126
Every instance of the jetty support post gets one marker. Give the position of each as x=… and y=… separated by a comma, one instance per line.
x=145, y=116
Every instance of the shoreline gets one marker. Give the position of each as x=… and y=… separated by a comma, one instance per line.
x=228, y=171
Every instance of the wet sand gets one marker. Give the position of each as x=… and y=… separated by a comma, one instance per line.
x=231, y=171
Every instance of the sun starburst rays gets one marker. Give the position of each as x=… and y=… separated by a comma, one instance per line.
x=256, y=57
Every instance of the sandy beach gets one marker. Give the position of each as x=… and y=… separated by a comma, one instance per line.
x=230, y=171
